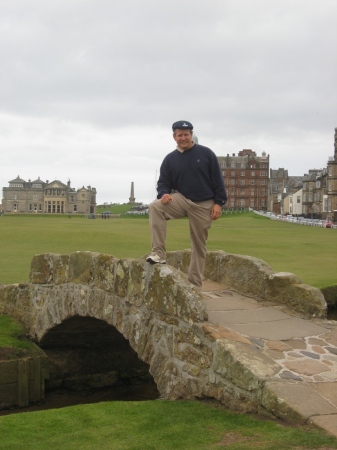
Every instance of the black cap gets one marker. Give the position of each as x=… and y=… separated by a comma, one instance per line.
x=182, y=124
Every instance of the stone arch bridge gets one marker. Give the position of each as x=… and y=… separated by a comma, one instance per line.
x=162, y=316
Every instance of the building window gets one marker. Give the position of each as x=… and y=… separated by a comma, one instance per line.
x=47, y=206
x=329, y=204
x=243, y=173
x=253, y=173
x=242, y=182
x=232, y=175
x=298, y=199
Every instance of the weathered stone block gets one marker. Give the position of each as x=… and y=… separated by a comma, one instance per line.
x=287, y=288
x=60, y=268
x=15, y=300
x=136, y=285
x=121, y=272
x=8, y=372
x=285, y=400
x=200, y=357
x=179, y=260
x=81, y=267
x=103, y=272
x=244, y=273
x=41, y=269
x=8, y=395
x=168, y=294
x=212, y=265
x=243, y=365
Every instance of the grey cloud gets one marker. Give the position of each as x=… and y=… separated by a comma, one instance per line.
x=248, y=73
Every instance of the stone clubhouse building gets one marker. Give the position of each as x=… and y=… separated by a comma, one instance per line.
x=44, y=197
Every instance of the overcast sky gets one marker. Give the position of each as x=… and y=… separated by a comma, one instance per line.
x=90, y=88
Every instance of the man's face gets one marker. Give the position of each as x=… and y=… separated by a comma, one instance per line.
x=183, y=138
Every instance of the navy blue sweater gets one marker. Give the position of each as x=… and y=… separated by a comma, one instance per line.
x=195, y=173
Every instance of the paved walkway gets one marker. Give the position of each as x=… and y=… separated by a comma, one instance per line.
x=305, y=350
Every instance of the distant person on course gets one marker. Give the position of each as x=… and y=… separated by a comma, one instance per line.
x=190, y=185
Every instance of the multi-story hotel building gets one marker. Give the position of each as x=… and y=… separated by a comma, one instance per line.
x=332, y=184
x=246, y=179
x=47, y=197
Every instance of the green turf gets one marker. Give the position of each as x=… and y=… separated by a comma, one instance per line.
x=309, y=252
x=12, y=337
x=152, y=425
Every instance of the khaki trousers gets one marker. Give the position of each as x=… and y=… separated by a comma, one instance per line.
x=199, y=215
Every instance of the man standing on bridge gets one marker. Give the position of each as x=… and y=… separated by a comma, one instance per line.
x=190, y=185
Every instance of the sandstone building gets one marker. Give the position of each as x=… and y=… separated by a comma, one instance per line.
x=246, y=179
x=46, y=197
x=332, y=183
x=281, y=186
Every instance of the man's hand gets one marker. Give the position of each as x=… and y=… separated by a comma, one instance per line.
x=166, y=198
x=216, y=212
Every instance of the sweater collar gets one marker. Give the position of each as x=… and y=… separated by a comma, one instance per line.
x=182, y=151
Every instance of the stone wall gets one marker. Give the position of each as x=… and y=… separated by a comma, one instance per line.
x=253, y=277
x=22, y=381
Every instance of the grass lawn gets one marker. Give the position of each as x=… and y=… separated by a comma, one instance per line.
x=158, y=425
x=12, y=341
x=152, y=425
x=309, y=252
